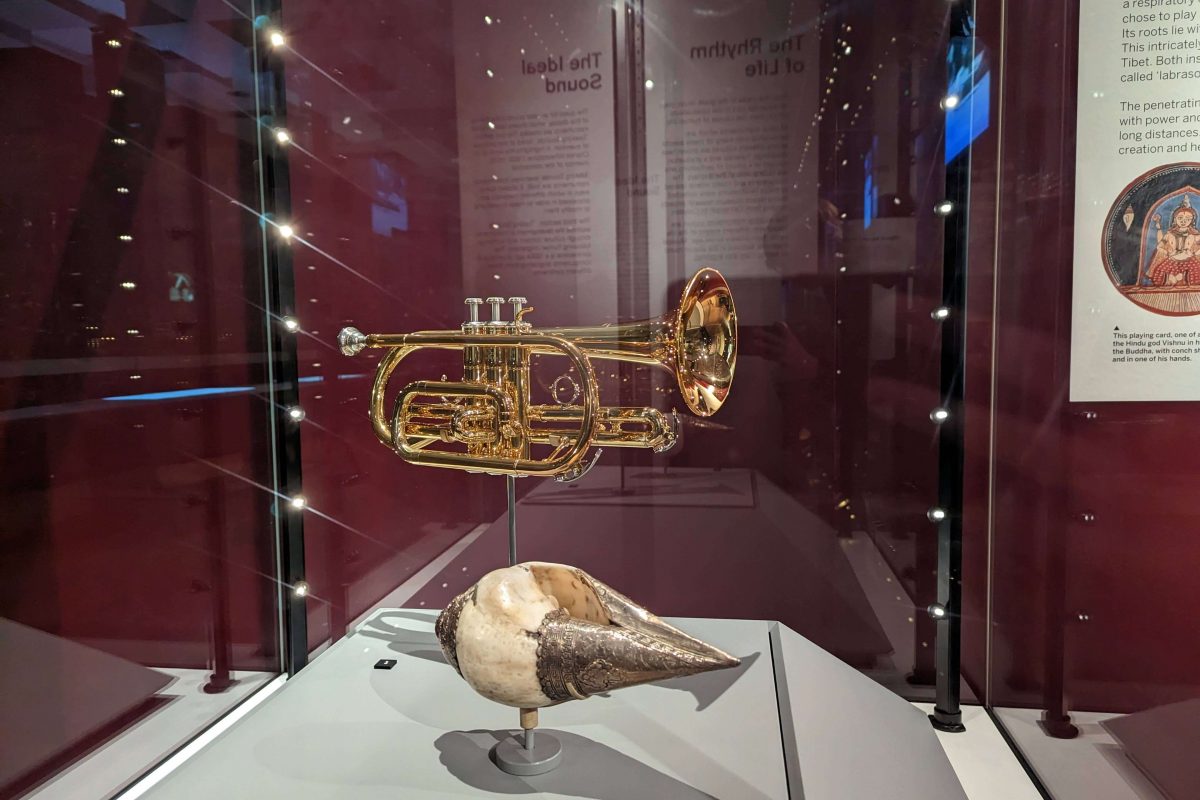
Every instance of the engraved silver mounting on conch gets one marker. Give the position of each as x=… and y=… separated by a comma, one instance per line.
x=537, y=634
x=351, y=341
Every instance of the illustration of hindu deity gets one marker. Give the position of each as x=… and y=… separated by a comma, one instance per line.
x=1151, y=244
x=1175, y=260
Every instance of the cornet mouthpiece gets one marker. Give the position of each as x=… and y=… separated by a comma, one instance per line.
x=351, y=341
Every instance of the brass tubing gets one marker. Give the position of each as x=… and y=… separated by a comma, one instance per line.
x=403, y=410
x=610, y=431
x=401, y=345
x=493, y=418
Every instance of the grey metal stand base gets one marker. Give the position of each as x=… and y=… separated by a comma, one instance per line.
x=543, y=754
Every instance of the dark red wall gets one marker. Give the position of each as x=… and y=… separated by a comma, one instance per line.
x=831, y=408
x=1093, y=528
x=124, y=522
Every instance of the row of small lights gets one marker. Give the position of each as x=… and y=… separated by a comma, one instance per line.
x=277, y=40
x=117, y=93
x=291, y=324
x=941, y=414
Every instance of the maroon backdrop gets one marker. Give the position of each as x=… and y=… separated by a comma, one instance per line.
x=1092, y=527
x=135, y=471
x=124, y=518
x=834, y=415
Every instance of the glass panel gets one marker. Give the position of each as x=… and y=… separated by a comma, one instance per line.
x=591, y=158
x=137, y=550
x=1094, y=659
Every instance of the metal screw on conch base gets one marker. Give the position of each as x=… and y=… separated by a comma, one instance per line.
x=473, y=304
x=495, y=302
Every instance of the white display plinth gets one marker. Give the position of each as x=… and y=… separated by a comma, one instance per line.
x=342, y=728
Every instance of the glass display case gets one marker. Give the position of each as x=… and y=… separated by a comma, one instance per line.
x=140, y=429
x=929, y=416
x=1082, y=639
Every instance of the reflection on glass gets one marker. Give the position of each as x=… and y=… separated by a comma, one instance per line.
x=137, y=552
x=593, y=164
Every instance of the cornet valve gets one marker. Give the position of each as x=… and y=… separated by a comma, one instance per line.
x=495, y=303
x=473, y=304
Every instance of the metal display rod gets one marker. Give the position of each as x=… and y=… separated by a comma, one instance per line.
x=512, y=519
x=529, y=755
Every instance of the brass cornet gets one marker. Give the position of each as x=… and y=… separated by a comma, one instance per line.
x=487, y=416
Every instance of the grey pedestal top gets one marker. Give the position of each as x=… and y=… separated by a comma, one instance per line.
x=342, y=729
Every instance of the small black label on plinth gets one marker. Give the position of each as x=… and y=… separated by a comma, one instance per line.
x=385, y=663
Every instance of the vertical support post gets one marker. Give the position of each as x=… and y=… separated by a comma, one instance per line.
x=529, y=721
x=1057, y=515
x=512, y=519
x=629, y=124
x=282, y=329
x=221, y=677
x=947, y=612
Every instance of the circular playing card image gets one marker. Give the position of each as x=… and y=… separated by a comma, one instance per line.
x=1151, y=244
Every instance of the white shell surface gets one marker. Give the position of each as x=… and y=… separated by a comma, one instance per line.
x=569, y=590
x=496, y=654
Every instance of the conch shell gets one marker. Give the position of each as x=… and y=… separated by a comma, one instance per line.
x=537, y=634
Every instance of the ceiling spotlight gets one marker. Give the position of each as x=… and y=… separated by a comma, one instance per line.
x=115, y=92
x=276, y=39
x=113, y=43
x=944, y=208
x=122, y=190
x=296, y=413
x=118, y=141
x=128, y=286
x=937, y=611
x=940, y=313
x=939, y=415
x=936, y=514
x=298, y=502
x=287, y=231
x=300, y=589
x=649, y=83
x=291, y=323
x=125, y=237
x=950, y=102
x=282, y=136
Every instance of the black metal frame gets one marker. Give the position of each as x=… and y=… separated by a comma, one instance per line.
x=280, y=306
x=947, y=613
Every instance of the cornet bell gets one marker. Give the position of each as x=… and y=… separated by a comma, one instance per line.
x=706, y=342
